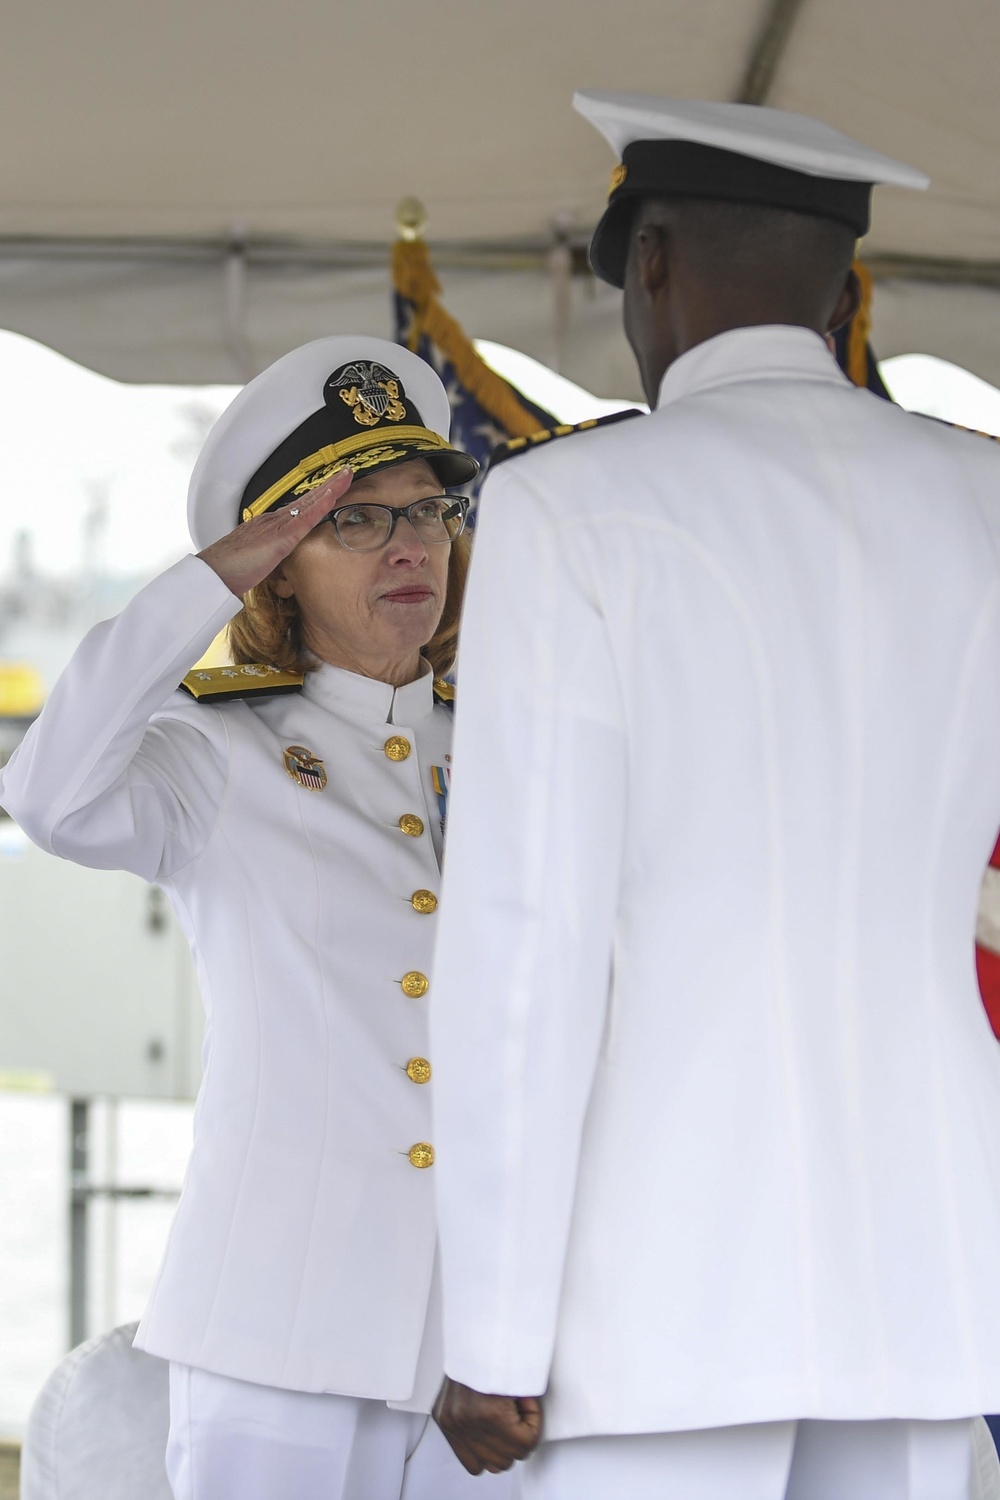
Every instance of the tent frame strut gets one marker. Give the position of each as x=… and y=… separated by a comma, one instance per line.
x=331, y=255
x=768, y=51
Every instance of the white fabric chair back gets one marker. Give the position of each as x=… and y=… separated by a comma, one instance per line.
x=98, y=1428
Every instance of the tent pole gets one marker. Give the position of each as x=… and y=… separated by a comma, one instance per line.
x=561, y=271
x=235, y=305
x=768, y=51
x=79, y=1162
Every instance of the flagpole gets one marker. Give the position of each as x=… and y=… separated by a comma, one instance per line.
x=415, y=281
x=411, y=219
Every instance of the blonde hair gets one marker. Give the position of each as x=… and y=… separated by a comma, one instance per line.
x=269, y=629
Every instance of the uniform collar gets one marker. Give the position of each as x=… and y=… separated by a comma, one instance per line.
x=771, y=351
x=367, y=701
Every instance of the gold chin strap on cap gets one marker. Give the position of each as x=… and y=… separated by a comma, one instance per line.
x=360, y=453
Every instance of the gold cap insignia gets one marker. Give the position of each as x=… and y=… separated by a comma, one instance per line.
x=618, y=176
x=371, y=391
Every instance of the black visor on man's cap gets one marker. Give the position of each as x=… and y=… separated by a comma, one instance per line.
x=687, y=169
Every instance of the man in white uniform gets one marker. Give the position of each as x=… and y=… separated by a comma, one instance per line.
x=717, y=1107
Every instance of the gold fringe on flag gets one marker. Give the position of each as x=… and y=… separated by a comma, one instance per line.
x=414, y=278
x=860, y=329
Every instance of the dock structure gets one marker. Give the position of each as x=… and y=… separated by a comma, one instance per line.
x=10, y=1470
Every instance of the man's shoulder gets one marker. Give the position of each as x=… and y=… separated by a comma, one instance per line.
x=523, y=447
x=940, y=426
x=946, y=460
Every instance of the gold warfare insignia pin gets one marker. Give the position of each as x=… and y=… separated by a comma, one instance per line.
x=618, y=176
x=372, y=392
x=305, y=768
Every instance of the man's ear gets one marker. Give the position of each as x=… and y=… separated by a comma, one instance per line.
x=651, y=257
x=847, y=303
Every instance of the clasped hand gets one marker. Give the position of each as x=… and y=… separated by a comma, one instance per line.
x=487, y=1432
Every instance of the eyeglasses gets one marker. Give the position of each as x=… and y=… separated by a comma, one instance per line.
x=366, y=528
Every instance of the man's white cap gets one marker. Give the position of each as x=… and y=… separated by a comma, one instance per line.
x=347, y=401
x=740, y=153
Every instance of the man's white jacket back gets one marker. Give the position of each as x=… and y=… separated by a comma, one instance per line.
x=717, y=1105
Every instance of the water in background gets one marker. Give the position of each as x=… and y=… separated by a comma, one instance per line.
x=147, y=1146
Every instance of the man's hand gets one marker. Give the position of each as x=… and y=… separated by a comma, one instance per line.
x=487, y=1432
x=251, y=553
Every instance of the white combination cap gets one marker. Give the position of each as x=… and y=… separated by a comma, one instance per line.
x=343, y=402
x=739, y=153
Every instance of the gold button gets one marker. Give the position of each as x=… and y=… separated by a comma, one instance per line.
x=418, y=1070
x=421, y=1155
x=424, y=901
x=396, y=747
x=415, y=984
x=412, y=825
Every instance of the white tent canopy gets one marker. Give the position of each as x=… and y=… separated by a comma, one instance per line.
x=187, y=190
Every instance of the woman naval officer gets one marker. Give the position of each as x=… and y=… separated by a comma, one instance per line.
x=292, y=807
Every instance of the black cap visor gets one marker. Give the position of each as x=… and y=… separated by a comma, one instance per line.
x=685, y=169
x=307, y=459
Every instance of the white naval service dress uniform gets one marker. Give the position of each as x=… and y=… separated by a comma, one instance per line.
x=719, y=1142
x=297, y=1292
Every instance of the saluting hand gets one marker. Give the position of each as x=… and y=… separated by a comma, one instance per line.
x=487, y=1432
x=249, y=554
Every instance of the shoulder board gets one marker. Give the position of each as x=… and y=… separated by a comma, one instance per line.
x=252, y=680
x=444, y=692
x=957, y=426
x=516, y=445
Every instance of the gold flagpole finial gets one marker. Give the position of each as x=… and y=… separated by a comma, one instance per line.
x=411, y=219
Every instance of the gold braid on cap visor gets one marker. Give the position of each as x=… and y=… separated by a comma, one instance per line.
x=355, y=452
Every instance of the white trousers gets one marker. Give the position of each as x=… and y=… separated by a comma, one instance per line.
x=766, y=1461
x=231, y=1440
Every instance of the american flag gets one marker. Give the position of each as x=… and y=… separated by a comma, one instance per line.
x=988, y=940
x=486, y=410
